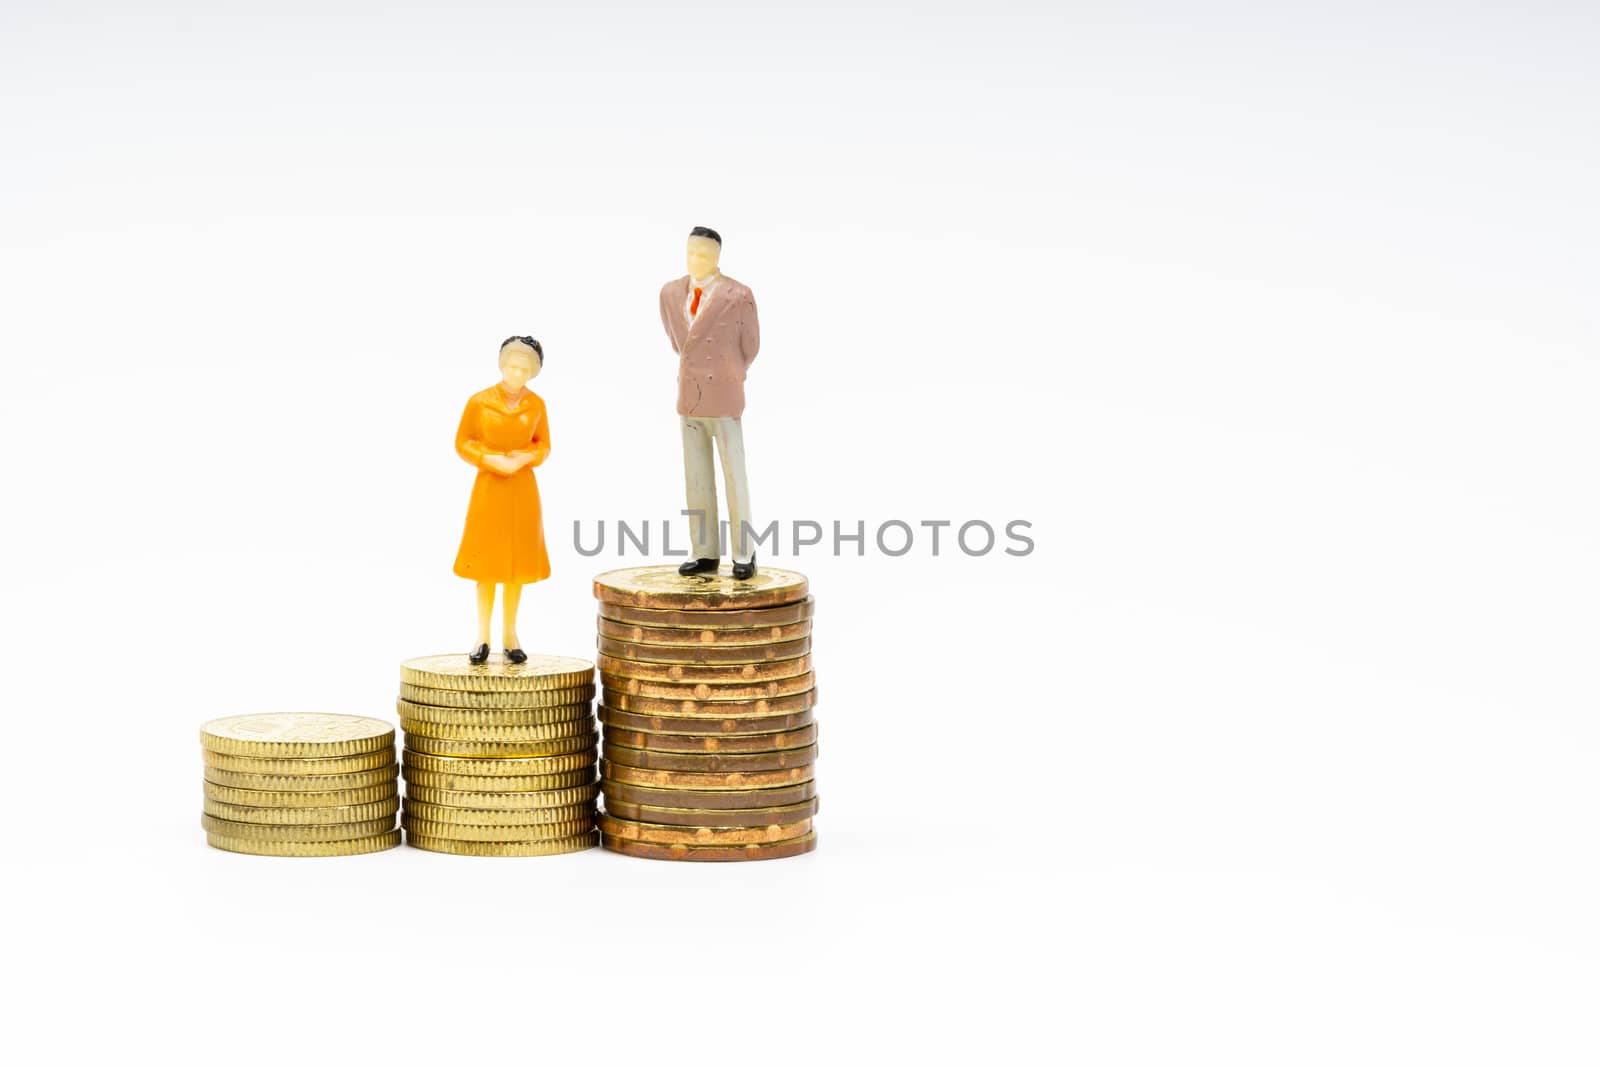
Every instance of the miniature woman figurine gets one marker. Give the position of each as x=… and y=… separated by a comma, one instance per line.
x=504, y=434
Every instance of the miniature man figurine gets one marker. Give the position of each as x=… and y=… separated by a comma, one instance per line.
x=504, y=434
x=711, y=321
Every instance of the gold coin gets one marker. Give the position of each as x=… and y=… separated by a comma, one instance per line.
x=667, y=635
x=410, y=712
x=499, y=768
x=782, y=615
x=693, y=673
x=469, y=832
x=445, y=731
x=713, y=853
x=352, y=847
x=472, y=783
x=296, y=734
x=710, y=691
x=437, y=813
x=454, y=672
x=664, y=587
x=672, y=816
x=505, y=848
x=658, y=834
x=710, y=743
x=302, y=816
x=704, y=653
x=262, y=798
x=302, y=783
x=557, y=746
x=710, y=762
x=339, y=831
x=418, y=696
x=761, y=708
x=485, y=801
x=705, y=799
x=683, y=724
x=361, y=761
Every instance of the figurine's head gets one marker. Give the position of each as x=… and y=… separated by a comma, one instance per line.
x=521, y=358
x=705, y=248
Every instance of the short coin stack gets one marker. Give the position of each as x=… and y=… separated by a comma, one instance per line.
x=299, y=784
x=499, y=757
x=707, y=707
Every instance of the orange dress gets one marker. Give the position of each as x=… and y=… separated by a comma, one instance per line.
x=504, y=536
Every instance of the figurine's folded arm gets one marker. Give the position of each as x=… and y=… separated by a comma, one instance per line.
x=749, y=331
x=539, y=445
x=468, y=447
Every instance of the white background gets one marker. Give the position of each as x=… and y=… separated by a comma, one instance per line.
x=1276, y=322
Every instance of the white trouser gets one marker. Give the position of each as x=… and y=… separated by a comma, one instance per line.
x=701, y=487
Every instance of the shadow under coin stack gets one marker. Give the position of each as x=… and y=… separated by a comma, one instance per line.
x=299, y=784
x=499, y=757
x=707, y=695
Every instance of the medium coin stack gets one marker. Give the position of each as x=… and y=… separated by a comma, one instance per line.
x=707, y=696
x=299, y=784
x=499, y=757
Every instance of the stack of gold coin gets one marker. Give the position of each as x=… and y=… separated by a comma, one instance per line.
x=300, y=784
x=499, y=757
x=707, y=696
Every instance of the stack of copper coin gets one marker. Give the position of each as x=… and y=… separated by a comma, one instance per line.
x=499, y=757
x=299, y=784
x=707, y=696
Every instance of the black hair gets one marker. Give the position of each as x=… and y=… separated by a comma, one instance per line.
x=538, y=350
x=707, y=231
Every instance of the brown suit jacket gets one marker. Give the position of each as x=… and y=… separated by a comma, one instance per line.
x=713, y=354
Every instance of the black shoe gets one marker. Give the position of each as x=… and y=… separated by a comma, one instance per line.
x=516, y=655
x=698, y=566
x=479, y=655
x=742, y=571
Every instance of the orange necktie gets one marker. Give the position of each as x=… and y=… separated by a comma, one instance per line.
x=694, y=305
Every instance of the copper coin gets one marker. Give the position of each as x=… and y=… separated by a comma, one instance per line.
x=718, y=780
x=709, y=799
x=689, y=708
x=670, y=724
x=669, y=816
x=756, y=743
x=782, y=615
x=710, y=691
x=711, y=853
x=710, y=761
x=663, y=587
x=658, y=834
x=718, y=673
x=704, y=653
x=666, y=635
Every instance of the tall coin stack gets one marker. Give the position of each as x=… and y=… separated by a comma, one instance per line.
x=707, y=695
x=499, y=757
x=299, y=784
